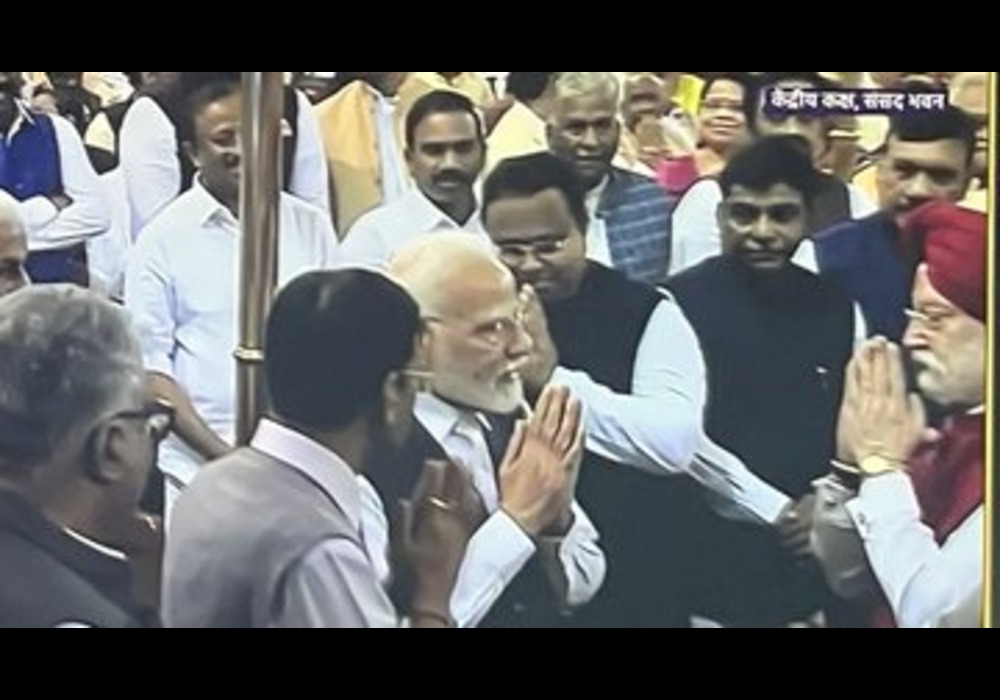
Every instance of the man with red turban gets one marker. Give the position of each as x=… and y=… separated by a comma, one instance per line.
x=915, y=494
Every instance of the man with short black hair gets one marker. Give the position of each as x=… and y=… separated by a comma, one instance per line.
x=929, y=156
x=445, y=152
x=185, y=304
x=777, y=340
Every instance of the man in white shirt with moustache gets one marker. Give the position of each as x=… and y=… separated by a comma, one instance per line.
x=182, y=282
x=536, y=556
x=445, y=152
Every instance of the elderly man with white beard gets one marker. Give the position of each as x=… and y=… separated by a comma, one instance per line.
x=535, y=557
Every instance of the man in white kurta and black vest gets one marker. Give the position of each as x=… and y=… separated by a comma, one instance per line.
x=629, y=354
x=535, y=557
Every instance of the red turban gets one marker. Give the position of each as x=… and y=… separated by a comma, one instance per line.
x=954, y=242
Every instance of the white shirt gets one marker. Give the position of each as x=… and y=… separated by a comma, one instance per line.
x=378, y=235
x=87, y=216
x=149, y=147
x=182, y=287
x=107, y=255
x=598, y=246
x=394, y=180
x=697, y=237
x=500, y=549
x=659, y=427
x=924, y=582
x=336, y=584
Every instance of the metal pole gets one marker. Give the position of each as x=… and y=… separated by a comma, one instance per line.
x=263, y=95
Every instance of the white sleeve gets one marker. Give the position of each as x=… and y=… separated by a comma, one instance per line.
x=89, y=214
x=658, y=427
x=310, y=175
x=575, y=563
x=496, y=554
x=149, y=158
x=924, y=582
x=695, y=225
x=149, y=298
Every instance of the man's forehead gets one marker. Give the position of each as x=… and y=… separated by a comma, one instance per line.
x=531, y=216
x=779, y=193
x=945, y=151
x=926, y=295
x=586, y=106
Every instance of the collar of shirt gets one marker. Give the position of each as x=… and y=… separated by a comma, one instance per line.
x=596, y=196
x=23, y=117
x=315, y=462
x=96, y=546
x=443, y=420
x=209, y=210
x=425, y=216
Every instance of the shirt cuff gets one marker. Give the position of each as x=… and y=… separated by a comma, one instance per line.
x=890, y=497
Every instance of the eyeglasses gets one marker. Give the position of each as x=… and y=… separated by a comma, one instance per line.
x=932, y=321
x=515, y=253
x=498, y=333
x=158, y=415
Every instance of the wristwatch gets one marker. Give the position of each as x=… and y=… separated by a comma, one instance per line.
x=877, y=465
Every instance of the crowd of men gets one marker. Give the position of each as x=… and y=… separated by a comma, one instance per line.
x=547, y=350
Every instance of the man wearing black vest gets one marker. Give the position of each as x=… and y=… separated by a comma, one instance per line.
x=628, y=353
x=777, y=340
x=43, y=165
x=535, y=556
x=77, y=442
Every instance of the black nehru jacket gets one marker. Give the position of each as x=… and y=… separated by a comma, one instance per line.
x=641, y=518
x=49, y=579
x=776, y=349
x=529, y=602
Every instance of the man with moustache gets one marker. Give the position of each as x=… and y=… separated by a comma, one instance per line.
x=44, y=166
x=536, y=556
x=445, y=152
x=181, y=284
x=627, y=351
x=929, y=155
x=914, y=494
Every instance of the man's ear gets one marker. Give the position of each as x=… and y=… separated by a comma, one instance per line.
x=107, y=461
x=192, y=153
x=395, y=398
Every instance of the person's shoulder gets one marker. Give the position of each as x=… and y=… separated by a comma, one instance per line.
x=173, y=223
x=307, y=217
x=849, y=229
x=695, y=278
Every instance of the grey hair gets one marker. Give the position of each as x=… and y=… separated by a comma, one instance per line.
x=67, y=357
x=569, y=85
x=10, y=212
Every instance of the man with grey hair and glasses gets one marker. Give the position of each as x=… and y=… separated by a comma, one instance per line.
x=77, y=442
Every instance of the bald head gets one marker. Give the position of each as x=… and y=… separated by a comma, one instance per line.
x=447, y=272
x=13, y=246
